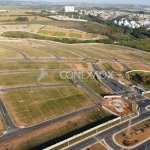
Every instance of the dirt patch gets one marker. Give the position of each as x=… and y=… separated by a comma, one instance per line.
x=117, y=67
x=118, y=105
x=81, y=68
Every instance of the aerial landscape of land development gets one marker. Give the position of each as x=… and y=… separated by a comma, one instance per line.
x=74, y=75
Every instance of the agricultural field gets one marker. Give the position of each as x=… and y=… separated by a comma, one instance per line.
x=76, y=35
x=60, y=34
x=8, y=54
x=45, y=32
x=29, y=51
x=31, y=106
x=13, y=14
x=54, y=31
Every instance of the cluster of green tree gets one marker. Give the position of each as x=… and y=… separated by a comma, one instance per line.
x=22, y=19
x=141, y=78
x=141, y=33
x=20, y=15
x=21, y=34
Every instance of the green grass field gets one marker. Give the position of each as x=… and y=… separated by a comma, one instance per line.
x=30, y=107
x=59, y=33
x=45, y=32
x=29, y=51
x=76, y=35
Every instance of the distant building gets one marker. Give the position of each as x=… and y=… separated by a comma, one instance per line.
x=69, y=9
x=3, y=11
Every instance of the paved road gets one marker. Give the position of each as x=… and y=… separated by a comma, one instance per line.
x=114, y=86
x=100, y=101
x=107, y=135
x=8, y=121
x=35, y=86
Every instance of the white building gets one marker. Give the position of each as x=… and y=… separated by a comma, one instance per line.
x=69, y=9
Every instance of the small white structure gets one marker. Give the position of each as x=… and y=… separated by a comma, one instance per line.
x=115, y=22
x=69, y=9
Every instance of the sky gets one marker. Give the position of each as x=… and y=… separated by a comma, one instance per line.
x=143, y=2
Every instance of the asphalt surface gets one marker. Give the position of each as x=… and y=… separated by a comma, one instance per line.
x=35, y=86
x=108, y=134
x=100, y=101
x=114, y=86
x=8, y=121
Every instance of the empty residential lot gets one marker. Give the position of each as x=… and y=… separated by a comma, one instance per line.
x=31, y=106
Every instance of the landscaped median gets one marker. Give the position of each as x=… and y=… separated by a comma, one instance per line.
x=134, y=135
x=23, y=34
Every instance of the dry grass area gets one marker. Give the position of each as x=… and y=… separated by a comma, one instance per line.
x=62, y=65
x=30, y=78
x=25, y=141
x=112, y=53
x=8, y=54
x=29, y=51
x=1, y=124
x=137, y=133
x=138, y=66
x=31, y=43
x=116, y=67
x=97, y=146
